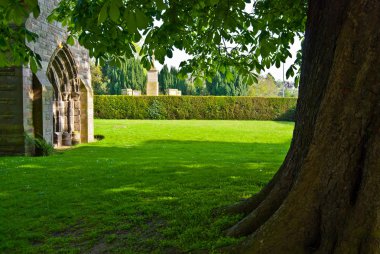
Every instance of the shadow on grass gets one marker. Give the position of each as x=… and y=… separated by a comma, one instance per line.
x=114, y=196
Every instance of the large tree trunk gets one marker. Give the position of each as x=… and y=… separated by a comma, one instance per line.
x=325, y=197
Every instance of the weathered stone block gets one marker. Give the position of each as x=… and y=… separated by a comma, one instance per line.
x=152, y=86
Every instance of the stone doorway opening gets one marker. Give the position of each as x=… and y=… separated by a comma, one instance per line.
x=62, y=73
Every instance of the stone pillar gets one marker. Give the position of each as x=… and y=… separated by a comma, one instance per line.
x=71, y=116
x=28, y=108
x=77, y=113
x=61, y=116
x=152, y=83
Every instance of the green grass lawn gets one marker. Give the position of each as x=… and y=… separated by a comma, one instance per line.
x=148, y=187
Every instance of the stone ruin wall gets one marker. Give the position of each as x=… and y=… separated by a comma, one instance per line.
x=21, y=102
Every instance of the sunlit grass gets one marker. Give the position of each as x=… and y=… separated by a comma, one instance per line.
x=149, y=186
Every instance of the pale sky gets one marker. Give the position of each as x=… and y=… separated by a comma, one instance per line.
x=179, y=56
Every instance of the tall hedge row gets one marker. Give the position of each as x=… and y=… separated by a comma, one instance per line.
x=194, y=107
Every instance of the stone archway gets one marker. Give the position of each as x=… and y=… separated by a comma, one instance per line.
x=62, y=73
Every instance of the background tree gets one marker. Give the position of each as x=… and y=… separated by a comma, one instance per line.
x=179, y=82
x=99, y=83
x=171, y=78
x=165, y=79
x=130, y=74
x=234, y=85
x=264, y=87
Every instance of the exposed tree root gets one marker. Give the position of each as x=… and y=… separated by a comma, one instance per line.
x=245, y=206
x=282, y=180
x=259, y=215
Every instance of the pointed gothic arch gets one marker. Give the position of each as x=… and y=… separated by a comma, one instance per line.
x=62, y=73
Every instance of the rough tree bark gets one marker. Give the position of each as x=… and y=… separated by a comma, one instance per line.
x=324, y=198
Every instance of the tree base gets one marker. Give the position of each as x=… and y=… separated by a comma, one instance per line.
x=324, y=199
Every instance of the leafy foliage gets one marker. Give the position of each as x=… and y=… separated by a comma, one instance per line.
x=194, y=107
x=231, y=85
x=165, y=79
x=41, y=147
x=13, y=50
x=265, y=87
x=217, y=33
x=130, y=74
x=220, y=84
x=248, y=35
x=171, y=78
x=99, y=82
x=156, y=110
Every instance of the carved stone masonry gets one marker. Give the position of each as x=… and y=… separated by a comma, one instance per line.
x=56, y=103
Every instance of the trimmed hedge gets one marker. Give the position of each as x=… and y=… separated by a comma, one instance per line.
x=194, y=107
